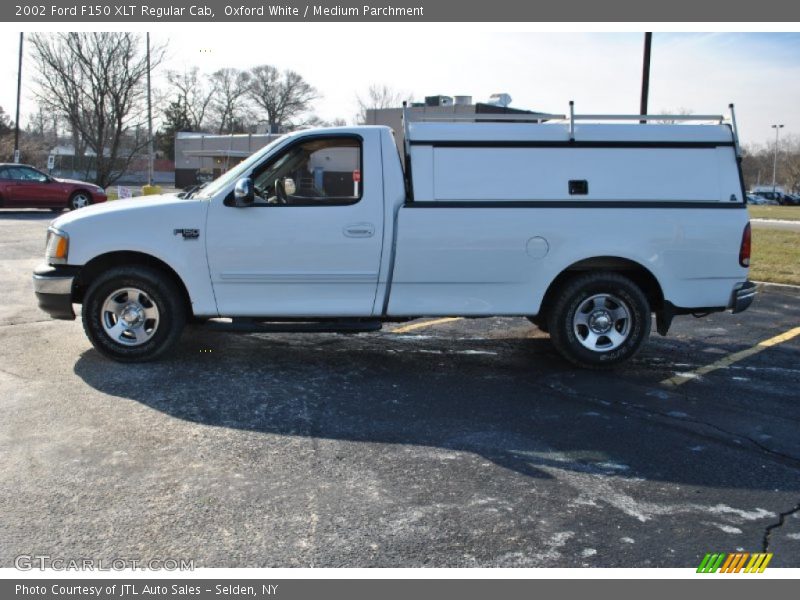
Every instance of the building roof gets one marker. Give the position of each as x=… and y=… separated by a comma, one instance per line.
x=218, y=152
x=69, y=150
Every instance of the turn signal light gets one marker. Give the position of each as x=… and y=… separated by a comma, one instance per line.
x=57, y=246
x=61, y=248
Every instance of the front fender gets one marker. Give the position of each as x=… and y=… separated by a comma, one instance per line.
x=155, y=228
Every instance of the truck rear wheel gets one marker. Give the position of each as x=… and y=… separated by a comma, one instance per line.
x=599, y=320
x=133, y=314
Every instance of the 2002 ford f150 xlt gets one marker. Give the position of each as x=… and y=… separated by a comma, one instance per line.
x=588, y=229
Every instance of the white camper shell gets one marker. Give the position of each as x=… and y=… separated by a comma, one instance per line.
x=586, y=228
x=535, y=162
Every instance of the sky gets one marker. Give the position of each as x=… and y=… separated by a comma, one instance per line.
x=601, y=72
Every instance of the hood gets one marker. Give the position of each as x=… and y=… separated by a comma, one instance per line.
x=122, y=208
x=76, y=182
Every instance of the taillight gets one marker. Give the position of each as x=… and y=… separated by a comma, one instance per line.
x=744, y=249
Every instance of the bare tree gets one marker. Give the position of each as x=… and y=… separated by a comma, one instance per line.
x=284, y=96
x=191, y=91
x=32, y=148
x=96, y=80
x=230, y=88
x=316, y=121
x=681, y=112
x=756, y=165
x=6, y=124
x=790, y=169
x=378, y=96
x=758, y=161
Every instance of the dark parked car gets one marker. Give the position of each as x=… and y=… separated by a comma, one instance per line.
x=22, y=186
x=777, y=197
x=792, y=199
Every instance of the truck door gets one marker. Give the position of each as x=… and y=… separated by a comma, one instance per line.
x=310, y=244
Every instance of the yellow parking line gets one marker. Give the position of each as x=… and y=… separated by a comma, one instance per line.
x=732, y=358
x=413, y=326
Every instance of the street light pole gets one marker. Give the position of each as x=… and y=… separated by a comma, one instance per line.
x=648, y=41
x=149, y=120
x=777, y=129
x=19, y=94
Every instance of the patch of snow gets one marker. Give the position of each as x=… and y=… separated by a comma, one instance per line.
x=728, y=528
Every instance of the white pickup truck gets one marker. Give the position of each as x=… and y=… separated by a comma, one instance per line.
x=588, y=229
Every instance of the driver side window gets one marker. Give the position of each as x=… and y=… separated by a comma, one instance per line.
x=316, y=172
x=26, y=174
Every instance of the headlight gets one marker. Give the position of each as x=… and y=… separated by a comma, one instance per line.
x=57, y=246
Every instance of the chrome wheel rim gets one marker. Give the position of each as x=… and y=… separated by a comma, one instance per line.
x=80, y=201
x=602, y=322
x=130, y=317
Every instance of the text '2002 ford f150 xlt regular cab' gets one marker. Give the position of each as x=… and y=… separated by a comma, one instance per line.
x=588, y=229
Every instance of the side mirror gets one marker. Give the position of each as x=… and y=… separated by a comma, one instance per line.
x=243, y=193
x=289, y=186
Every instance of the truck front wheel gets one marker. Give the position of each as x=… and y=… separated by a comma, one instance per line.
x=599, y=320
x=133, y=314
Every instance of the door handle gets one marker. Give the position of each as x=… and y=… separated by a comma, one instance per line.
x=359, y=230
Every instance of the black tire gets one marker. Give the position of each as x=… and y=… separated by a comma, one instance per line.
x=609, y=294
x=157, y=290
x=76, y=201
x=541, y=322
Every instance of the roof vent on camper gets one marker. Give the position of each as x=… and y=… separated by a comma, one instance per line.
x=462, y=100
x=500, y=100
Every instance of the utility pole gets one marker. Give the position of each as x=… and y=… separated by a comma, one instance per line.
x=648, y=40
x=149, y=120
x=777, y=129
x=19, y=94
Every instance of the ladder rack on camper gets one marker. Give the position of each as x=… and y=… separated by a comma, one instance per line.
x=538, y=118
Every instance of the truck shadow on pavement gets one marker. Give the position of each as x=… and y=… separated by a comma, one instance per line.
x=512, y=402
x=28, y=215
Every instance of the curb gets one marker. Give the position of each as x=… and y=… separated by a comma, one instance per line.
x=780, y=221
x=763, y=284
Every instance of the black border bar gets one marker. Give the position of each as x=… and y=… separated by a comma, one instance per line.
x=732, y=587
x=568, y=144
x=408, y=11
x=682, y=204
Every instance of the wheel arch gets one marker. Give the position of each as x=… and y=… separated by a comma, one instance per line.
x=635, y=271
x=103, y=262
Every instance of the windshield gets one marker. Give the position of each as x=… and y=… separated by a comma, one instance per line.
x=240, y=170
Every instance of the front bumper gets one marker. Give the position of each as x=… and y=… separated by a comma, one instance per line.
x=742, y=297
x=53, y=287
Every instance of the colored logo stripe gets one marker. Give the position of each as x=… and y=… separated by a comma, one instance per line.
x=710, y=563
x=734, y=563
x=758, y=563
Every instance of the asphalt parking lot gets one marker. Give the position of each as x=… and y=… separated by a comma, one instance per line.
x=462, y=443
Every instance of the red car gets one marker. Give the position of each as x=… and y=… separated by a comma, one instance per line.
x=22, y=186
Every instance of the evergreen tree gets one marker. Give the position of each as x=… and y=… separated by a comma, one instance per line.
x=176, y=118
